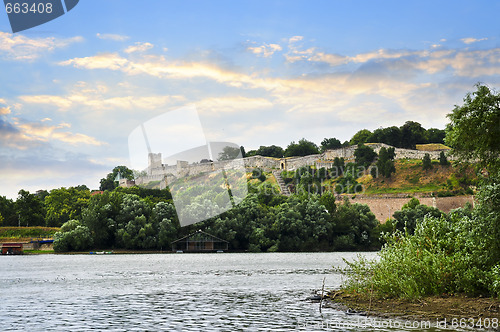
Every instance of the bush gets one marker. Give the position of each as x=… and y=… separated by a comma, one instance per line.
x=75, y=237
x=426, y=162
x=443, y=160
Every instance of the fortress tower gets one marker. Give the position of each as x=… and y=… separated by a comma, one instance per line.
x=154, y=161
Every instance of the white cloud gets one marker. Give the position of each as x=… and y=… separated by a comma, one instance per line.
x=4, y=110
x=471, y=40
x=265, y=50
x=102, y=61
x=139, y=47
x=19, y=47
x=234, y=104
x=112, y=36
x=40, y=132
x=295, y=39
x=97, y=98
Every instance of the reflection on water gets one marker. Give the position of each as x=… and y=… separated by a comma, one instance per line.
x=223, y=292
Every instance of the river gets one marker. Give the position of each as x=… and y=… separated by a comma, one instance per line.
x=183, y=292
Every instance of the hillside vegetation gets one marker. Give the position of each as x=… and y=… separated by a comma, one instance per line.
x=410, y=177
x=8, y=234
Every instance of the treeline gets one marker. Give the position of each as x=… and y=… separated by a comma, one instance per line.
x=263, y=221
x=406, y=136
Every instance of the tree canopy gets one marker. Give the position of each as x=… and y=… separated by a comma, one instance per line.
x=302, y=148
x=474, y=128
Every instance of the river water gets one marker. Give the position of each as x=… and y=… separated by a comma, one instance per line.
x=183, y=292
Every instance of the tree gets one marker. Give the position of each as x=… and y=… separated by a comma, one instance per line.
x=73, y=236
x=477, y=118
x=426, y=162
x=303, y=148
x=64, y=204
x=270, y=151
x=229, y=153
x=330, y=144
x=412, y=134
x=8, y=211
x=413, y=213
x=385, y=163
x=30, y=209
x=435, y=135
x=364, y=155
x=110, y=183
x=391, y=136
x=443, y=160
x=360, y=137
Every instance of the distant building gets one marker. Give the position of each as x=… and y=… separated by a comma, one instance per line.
x=12, y=249
x=200, y=242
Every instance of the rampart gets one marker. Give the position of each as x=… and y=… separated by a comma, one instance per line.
x=157, y=171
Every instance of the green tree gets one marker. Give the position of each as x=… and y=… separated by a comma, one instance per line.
x=30, y=209
x=330, y=144
x=64, y=204
x=8, y=211
x=270, y=151
x=385, y=163
x=435, y=135
x=442, y=159
x=110, y=182
x=474, y=128
x=101, y=217
x=426, y=162
x=302, y=148
x=412, y=133
x=360, y=137
x=73, y=236
x=229, y=153
x=413, y=213
x=391, y=136
x=354, y=227
x=364, y=155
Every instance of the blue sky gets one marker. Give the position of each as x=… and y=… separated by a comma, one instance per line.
x=258, y=73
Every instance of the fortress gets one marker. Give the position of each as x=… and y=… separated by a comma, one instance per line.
x=158, y=171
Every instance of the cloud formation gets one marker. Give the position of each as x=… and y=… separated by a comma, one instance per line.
x=265, y=50
x=471, y=40
x=112, y=36
x=19, y=47
x=139, y=47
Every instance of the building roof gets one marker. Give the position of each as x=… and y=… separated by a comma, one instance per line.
x=12, y=245
x=200, y=232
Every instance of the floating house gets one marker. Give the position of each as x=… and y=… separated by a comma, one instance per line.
x=12, y=249
x=199, y=242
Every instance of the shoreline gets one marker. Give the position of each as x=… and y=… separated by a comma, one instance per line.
x=454, y=307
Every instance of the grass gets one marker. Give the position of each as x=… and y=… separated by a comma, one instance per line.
x=432, y=147
x=13, y=233
x=410, y=177
x=38, y=252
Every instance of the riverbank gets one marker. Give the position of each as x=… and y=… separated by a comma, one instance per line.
x=432, y=308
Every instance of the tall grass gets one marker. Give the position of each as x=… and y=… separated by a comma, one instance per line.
x=445, y=255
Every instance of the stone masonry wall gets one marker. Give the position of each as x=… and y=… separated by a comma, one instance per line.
x=384, y=207
x=267, y=163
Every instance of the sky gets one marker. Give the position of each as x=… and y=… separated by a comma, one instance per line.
x=73, y=90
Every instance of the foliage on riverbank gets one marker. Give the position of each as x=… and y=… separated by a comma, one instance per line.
x=454, y=253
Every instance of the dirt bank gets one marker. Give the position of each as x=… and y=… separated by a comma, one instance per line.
x=432, y=308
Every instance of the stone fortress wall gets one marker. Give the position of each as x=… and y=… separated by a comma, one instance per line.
x=382, y=207
x=157, y=171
